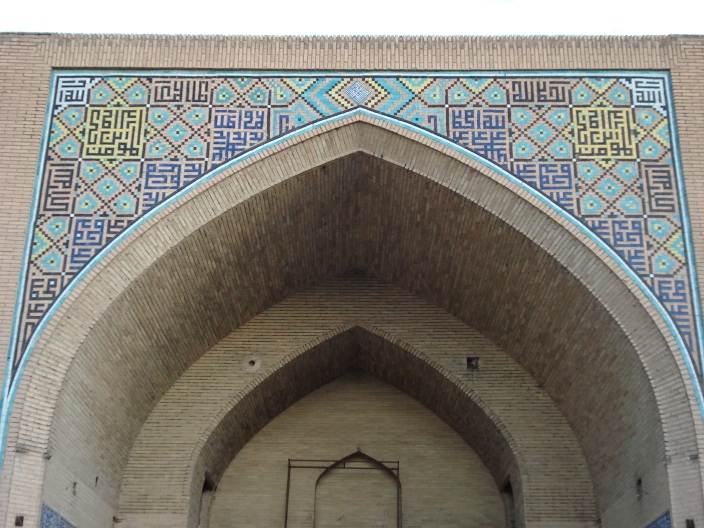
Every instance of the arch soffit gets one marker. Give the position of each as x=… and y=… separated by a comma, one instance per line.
x=202, y=434
x=367, y=329
x=312, y=365
x=594, y=264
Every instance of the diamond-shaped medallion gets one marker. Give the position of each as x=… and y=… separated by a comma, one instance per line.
x=358, y=92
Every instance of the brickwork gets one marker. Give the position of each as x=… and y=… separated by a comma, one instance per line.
x=446, y=483
x=550, y=487
x=120, y=425
x=332, y=175
x=589, y=340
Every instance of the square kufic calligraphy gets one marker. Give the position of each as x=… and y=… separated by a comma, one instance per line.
x=236, y=130
x=72, y=91
x=574, y=139
x=603, y=133
x=114, y=133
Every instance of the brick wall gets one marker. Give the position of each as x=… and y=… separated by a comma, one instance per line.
x=444, y=482
x=285, y=342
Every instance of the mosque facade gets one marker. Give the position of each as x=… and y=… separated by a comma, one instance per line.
x=351, y=282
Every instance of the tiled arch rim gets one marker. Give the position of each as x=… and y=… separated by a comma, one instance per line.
x=162, y=232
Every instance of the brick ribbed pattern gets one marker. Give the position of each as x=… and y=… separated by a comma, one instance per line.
x=224, y=280
x=358, y=213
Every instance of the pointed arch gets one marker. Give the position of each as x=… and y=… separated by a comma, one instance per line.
x=356, y=345
x=624, y=314
x=360, y=455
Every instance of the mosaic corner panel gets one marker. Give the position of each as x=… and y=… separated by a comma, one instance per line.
x=51, y=519
x=663, y=521
x=599, y=147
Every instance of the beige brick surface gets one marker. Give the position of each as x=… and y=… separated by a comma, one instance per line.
x=446, y=483
x=556, y=487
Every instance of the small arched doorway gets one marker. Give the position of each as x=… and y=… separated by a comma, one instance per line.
x=358, y=491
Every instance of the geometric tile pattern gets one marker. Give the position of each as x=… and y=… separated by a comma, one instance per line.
x=598, y=147
x=51, y=519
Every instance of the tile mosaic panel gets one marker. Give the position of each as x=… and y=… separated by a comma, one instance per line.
x=51, y=519
x=661, y=522
x=599, y=147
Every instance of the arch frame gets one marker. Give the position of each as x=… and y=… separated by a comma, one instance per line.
x=11, y=379
x=356, y=115
x=10, y=385
x=356, y=324
x=514, y=465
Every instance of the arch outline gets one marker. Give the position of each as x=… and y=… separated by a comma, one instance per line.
x=10, y=385
x=356, y=117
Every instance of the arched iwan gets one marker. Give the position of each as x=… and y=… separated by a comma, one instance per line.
x=226, y=235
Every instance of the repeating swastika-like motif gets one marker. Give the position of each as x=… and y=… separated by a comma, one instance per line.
x=540, y=91
x=72, y=91
x=235, y=131
x=181, y=91
x=598, y=147
x=483, y=130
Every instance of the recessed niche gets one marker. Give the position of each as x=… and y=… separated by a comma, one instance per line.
x=252, y=363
